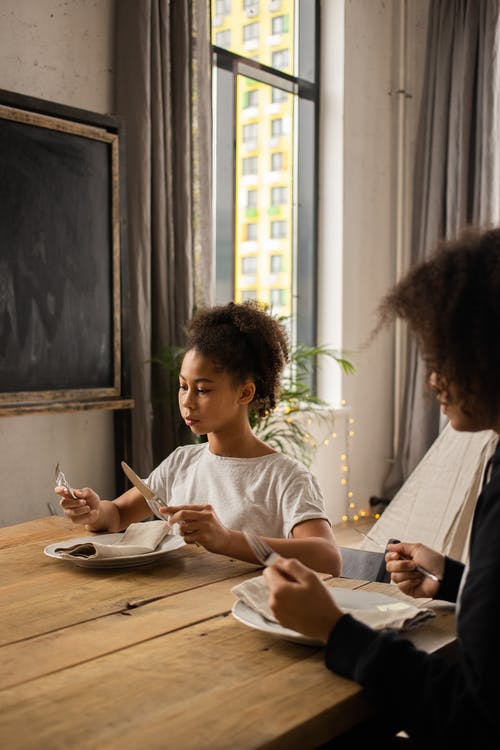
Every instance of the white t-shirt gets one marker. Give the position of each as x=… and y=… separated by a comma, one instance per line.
x=268, y=495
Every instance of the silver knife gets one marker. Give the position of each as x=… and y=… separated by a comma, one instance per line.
x=152, y=499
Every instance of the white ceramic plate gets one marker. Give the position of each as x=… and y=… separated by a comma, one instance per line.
x=253, y=619
x=345, y=598
x=171, y=542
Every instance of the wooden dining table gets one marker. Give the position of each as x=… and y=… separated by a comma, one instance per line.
x=151, y=657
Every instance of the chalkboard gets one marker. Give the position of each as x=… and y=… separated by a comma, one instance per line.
x=60, y=257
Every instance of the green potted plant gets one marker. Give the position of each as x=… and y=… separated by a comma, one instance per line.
x=286, y=427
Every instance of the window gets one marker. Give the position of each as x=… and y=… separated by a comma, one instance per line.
x=250, y=165
x=250, y=132
x=250, y=98
x=279, y=195
x=279, y=25
x=278, y=95
x=280, y=59
x=279, y=229
x=251, y=199
x=271, y=65
x=222, y=7
x=276, y=264
x=249, y=265
x=277, y=127
x=277, y=298
x=251, y=32
x=277, y=162
x=252, y=232
x=248, y=294
x=223, y=38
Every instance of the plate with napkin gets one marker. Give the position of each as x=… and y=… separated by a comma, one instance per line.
x=377, y=610
x=140, y=544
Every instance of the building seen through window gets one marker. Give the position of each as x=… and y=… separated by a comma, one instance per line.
x=265, y=186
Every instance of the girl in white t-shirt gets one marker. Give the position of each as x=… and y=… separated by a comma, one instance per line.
x=233, y=361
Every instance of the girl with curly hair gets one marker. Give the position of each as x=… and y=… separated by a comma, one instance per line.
x=452, y=304
x=214, y=491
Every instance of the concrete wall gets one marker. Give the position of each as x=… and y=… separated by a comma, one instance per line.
x=63, y=51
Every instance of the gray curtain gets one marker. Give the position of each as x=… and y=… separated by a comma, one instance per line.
x=456, y=174
x=163, y=95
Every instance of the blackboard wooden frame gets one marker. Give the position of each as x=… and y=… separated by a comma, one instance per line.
x=102, y=137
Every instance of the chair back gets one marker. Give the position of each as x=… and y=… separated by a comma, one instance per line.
x=363, y=564
x=436, y=503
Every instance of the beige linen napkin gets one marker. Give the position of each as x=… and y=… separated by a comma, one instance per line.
x=138, y=539
x=398, y=615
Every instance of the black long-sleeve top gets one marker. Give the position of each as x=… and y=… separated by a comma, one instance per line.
x=437, y=702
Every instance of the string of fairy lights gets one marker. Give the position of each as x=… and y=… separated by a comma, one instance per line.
x=340, y=428
x=353, y=510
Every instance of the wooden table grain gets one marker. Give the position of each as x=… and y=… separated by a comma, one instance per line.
x=150, y=657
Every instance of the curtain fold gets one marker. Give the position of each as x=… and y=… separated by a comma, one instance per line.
x=163, y=95
x=456, y=175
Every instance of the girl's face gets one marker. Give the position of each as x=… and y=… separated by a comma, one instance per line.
x=463, y=417
x=210, y=400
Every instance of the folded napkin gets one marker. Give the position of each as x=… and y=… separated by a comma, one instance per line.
x=397, y=615
x=138, y=539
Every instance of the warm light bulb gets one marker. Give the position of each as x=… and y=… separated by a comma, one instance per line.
x=343, y=457
x=350, y=493
x=355, y=518
x=351, y=433
x=343, y=481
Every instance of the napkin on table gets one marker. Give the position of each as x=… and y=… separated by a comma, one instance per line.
x=138, y=539
x=398, y=616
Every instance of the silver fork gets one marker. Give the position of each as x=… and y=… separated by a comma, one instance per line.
x=61, y=481
x=261, y=549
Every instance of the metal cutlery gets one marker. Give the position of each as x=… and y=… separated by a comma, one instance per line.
x=152, y=499
x=61, y=481
x=261, y=549
x=424, y=572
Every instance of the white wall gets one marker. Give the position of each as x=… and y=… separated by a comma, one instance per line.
x=63, y=52
x=360, y=237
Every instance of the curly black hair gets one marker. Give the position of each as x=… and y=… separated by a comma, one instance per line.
x=451, y=302
x=243, y=340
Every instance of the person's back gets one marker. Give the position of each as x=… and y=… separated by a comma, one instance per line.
x=452, y=304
